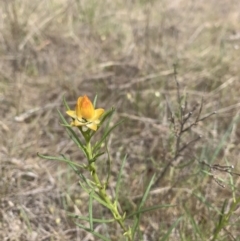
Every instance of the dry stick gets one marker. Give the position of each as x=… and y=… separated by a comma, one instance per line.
x=189, y=143
x=205, y=117
x=226, y=169
x=177, y=153
x=197, y=118
x=169, y=109
x=197, y=121
x=178, y=94
x=182, y=123
x=200, y=110
x=174, y=158
x=189, y=114
x=220, y=168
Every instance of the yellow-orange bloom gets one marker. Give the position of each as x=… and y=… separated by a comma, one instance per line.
x=85, y=114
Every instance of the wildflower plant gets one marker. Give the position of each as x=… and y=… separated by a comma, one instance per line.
x=86, y=121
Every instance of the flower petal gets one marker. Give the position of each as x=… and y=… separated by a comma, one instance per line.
x=80, y=122
x=84, y=114
x=85, y=107
x=71, y=113
x=97, y=114
x=78, y=107
x=92, y=126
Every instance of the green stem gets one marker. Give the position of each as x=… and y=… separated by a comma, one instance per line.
x=103, y=194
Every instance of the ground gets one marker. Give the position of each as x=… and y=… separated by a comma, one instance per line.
x=128, y=53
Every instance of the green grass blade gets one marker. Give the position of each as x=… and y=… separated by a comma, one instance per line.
x=222, y=215
x=149, y=209
x=120, y=176
x=90, y=211
x=95, y=101
x=145, y=195
x=174, y=225
x=65, y=103
x=108, y=167
x=206, y=203
x=194, y=224
x=221, y=222
x=135, y=227
x=232, y=185
x=224, y=139
x=144, y=198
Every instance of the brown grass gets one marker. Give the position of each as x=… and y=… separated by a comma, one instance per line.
x=124, y=51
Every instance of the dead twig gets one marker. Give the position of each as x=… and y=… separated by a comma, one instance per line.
x=180, y=124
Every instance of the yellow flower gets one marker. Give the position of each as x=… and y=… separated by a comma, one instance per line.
x=84, y=114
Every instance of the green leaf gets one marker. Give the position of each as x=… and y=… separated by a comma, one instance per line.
x=95, y=220
x=104, y=136
x=98, y=199
x=98, y=155
x=90, y=184
x=62, y=159
x=72, y=134
x=95, y=195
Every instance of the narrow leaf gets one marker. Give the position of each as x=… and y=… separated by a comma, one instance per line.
x=120, y=176
x=95, y=101
x=90, y=210
x=62, y=159
x=93, y=232
x=65, y=103
x=105, y=136
x=95, y=220
x=145, y=195
x=72, y=134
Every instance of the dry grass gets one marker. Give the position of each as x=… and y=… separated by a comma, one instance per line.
x=124, y=51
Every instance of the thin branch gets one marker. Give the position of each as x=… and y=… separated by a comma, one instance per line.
x=189, y=143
